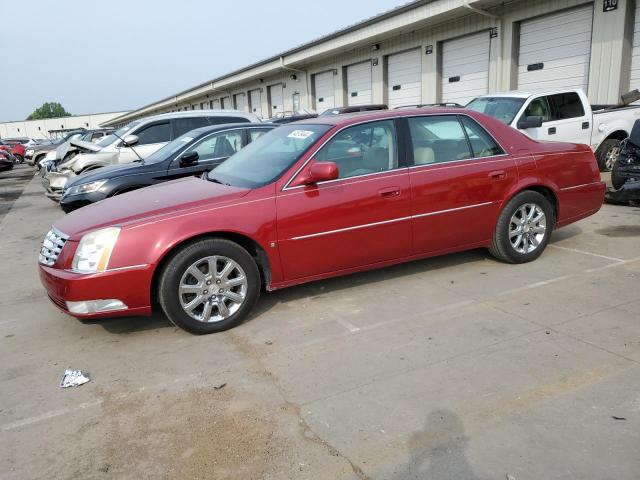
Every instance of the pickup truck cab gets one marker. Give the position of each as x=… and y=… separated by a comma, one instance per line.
x=563, y=116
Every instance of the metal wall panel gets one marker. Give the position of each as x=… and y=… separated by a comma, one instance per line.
x=404, y=78
x=465, y=67
x=359, y=83
x=324, y=90
x=555, y=51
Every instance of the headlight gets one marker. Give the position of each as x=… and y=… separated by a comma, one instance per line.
x=50, y=155
x=85, y=188
x=94, y=250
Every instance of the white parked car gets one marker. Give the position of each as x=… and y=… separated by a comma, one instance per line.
x=563, y=116
x=136, y=141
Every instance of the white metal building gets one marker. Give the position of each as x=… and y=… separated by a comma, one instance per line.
x=432, y=51
x=50, y=127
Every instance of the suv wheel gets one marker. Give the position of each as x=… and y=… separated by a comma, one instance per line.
x=607, y=154
x=209, y=286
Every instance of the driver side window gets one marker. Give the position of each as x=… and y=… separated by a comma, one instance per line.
x=539, y=107
x=362, y=149
x=221, y=145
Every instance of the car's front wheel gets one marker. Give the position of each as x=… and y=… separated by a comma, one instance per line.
x=607, y=154
x=209, y=285
x=523, y=229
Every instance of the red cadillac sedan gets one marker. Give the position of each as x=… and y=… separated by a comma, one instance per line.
x=315, y=199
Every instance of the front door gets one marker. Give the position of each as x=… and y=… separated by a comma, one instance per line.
x=212, y=151
x=361, y=218
x=459, y=179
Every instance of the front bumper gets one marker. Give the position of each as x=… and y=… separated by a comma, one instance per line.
x=70, y=203
x=54, y=183
x=130, y=285
x=630, y=192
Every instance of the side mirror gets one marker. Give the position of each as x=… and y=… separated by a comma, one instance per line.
x=529, y=122
x=634, y=137
x=321, y=172
x=130, y=140
x=189, y=159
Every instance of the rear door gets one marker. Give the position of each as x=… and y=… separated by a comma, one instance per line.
x=460, y=176
x=361, y=218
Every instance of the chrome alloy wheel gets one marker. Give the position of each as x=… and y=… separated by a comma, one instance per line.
x=611, y=157
x=212, y=289
x=527, y=228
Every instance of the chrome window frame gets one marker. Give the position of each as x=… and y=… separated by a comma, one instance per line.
x=393, y=117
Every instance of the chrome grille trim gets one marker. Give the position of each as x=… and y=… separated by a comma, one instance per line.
x=52, y=245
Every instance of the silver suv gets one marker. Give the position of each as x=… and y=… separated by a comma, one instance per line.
x=138, y=139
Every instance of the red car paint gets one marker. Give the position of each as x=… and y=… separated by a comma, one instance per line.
x=14, y=147
x=327, y=229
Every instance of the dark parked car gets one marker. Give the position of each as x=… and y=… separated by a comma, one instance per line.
x=193, y=153
x=6, y=160
x=353, y=109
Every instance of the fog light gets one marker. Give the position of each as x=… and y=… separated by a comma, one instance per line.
x=96, y=306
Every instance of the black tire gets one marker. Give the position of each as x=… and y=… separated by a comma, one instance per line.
x=19, y=159
x=603, y=152
x=501, y=247
x=172, y=273
x=617, y=181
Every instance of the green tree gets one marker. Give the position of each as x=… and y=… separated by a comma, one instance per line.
x=49, y=110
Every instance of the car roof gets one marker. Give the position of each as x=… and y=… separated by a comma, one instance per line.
x=526, y=94
x=349, y=118
x=227, y=126
x=197, y=113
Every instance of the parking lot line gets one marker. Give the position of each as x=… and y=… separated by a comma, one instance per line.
x=575, y=250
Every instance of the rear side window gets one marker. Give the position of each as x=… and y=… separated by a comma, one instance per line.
x=156, y=133
x=218, y=120
x=482, y=144
x=567, y=105
x=184, y=125
x=438, y=139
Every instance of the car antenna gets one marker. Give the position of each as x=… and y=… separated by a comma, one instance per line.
x=130, y=146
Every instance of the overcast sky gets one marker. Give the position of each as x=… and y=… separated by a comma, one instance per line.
x=121, y=54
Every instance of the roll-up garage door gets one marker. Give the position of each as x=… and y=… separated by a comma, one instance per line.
x=275, y=99
x=240, y=102
x=404, y=74
x=215, y=104
x=635, y=53
x=255, y=100
x=465, y=67
x=226, y=103
x=555, y=50
x=324, y=91
x=359, y=83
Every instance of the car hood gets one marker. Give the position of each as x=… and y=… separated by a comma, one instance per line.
x=89, y=146
x=105, y=173
x=148, y=203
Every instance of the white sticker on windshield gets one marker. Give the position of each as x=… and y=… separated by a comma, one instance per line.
x=300, y=134
x=186, y=139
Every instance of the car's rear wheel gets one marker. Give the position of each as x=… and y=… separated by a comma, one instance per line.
x=523, y=229
x=209, y=286
x=607, y=154
x=19, y=159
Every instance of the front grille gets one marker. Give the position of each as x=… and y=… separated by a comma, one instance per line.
x=51, y=247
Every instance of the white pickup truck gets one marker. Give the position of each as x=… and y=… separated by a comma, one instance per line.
x=563, y=116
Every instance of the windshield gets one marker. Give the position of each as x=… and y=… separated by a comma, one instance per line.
x=267, y=158
x=500, y=108
x=109, y=139
x=169, y=149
